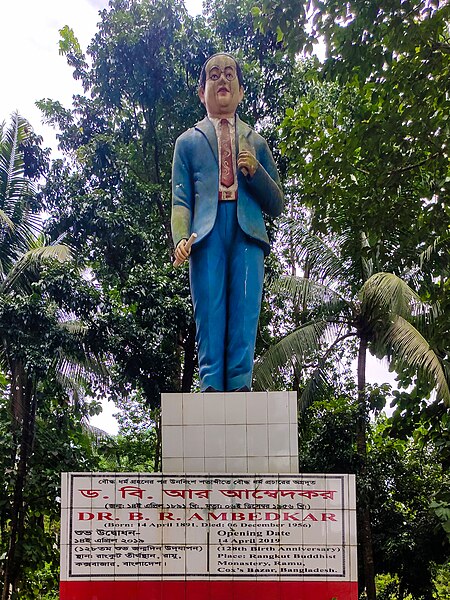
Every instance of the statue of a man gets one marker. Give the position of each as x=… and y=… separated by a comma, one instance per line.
x=224, y=178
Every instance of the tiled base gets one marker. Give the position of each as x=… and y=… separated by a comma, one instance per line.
x=208, y=590
x=230, y=432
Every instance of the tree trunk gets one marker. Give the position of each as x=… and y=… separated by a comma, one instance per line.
x=364, y=525
x=151, y=127
x=362, y=408
x=16, y=534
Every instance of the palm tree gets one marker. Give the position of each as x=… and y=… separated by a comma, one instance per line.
x=384, y=315
x=37, y=337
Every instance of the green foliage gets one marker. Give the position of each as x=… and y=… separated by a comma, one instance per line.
x=442, y=582
x=388, y=587
x=327, y=437
x=369, y=140
x=363, y=169
x=400, y=480
x=404, y=524
x=44, y=351
x=383, y=313
x=135, y=446
x=368, y=144
x=268, y=74
x=441, y=507
x=61, y=444
x=68, y=43
x=116, y=208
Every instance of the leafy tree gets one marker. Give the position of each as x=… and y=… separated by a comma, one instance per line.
x=371, y=154
x=380, y=316
x=268, y=71
x=408, y=539
x=442, y=582
x=142, y=94
x=137, y=447
x=369, y=141
x=372, y=159
x=400, y=479
x=60, y=444
x=38, y=338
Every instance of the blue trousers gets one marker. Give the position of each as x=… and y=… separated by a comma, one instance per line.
x=226, y=278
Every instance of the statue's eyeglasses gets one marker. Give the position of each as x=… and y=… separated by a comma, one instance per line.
x=215, y=73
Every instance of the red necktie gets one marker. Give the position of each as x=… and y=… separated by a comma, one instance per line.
x=226, y=155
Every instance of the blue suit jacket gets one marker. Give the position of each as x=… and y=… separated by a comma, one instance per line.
x=195, y=184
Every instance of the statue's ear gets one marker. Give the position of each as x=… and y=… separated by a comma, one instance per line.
x=201, y=94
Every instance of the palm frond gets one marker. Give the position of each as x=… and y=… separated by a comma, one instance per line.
x=366, y=263
x=315, y=388
x=388, y=295
x=304, y=291
x=74, y=376
x=32, y=259
x=293, y=347
x=6, y=220
x=73, y=326
x=96, y=434
x=73, y=372
x=13, y=185
x=71, y=376
x=324, y=262
x=440, y=240
x=19, y=223
x=414, y=351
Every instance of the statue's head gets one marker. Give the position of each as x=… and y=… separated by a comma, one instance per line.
x=221, y=85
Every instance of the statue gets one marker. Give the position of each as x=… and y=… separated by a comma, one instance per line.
x=223, y=178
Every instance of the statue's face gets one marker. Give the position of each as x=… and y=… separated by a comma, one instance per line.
x=222, y=92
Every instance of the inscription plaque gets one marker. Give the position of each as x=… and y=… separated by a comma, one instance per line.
x=197, y=526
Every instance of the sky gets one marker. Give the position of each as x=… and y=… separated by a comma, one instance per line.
x=32, y=69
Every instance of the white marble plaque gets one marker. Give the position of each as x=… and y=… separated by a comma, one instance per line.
x=282, y=527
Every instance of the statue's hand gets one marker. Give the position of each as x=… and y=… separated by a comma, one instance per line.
x=181, y=252
x=247, y=162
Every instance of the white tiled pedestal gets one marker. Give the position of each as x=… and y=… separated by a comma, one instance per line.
x=230, y=432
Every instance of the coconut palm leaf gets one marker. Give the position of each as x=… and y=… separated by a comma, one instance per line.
x=293, y=348
x=22, y=252
x=413, y=350
x=73, y=326
x=366, y=263
x=13, y=184
x=426, y=318
x=441, y=240
x=11, y=170
x=16, y=278
x=6, y=221
x=74, y=376
x=18, y=223
x=315, y=388
x=97, y=435
x=324, y=262
x=304, y=292
x=74, y=372
x=385, y=294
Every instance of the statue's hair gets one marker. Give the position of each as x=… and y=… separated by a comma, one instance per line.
x=202, y=79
